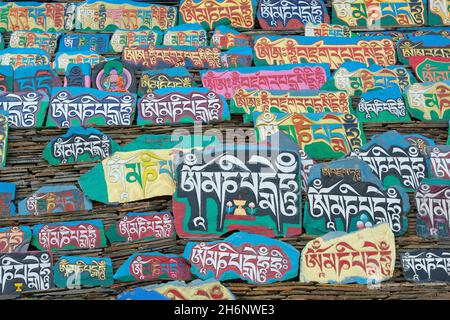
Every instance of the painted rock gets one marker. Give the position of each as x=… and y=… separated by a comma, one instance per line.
x=7, y=196
x=290, y=15
x=239, y=14
x=429, y=101
x=73, y=272
x=24, y=57
x=73, y=106
x=426, y=265
x=114, y=76
x=315, y=29
x=287, y=77
x=431, y=31
x=78, y=75
x=122, y=38
x=433, y=214
x=165, y=78
x=153, y=266
x=339, y=257
x=6, y=78
x=95, y=42
x=396, y=35
x=321, y=135
x=138, y=226
x=79, y=145
x=429, y=46
x=15, y=239
x=439, y=160
x=438, y=12
x=344, y=195
x=394, y=160
x=24, y=109
x=214, y=194
x=226, y=38
x=430, y=69
x=63, y=59
x=25, y=272
x=32, y=79
x=281, y=259
x=73, y=235
x=55, y=199
x=182, y=105
x=4, y=125
x=385, y=105
x=189, y=34
x=279, y=50
x=180, y=290
x=47, y=41
x=419, y=141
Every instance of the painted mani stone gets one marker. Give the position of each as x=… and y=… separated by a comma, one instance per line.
x=165, y=78
x=429, y=101
x=182, y=105
x=438, y=12
x=426, y=265
x=24, y=109
x=47, y=41
x=25, y=272
x=340, y=257
x=189, y=34
x=54, y=199
x=288, y=101
x=33, y=79
x=431, y=69
x=114, y=76
x=7, y=197
x=63, y=59
x=419, y=141
x=321, y=135
x=432, y=31
x=179, y=290
x=141, y=170
x=73, y=235
x=280, y=259
x=287, y=77
x=292, y=14
x=122, y=38
x=394, y=160
x=14, y=239
x=385, y=105
x=137, y=226
x=384, y=13
x=74, y=106
x=355, y=78
x=344, y=195
x=4, y=125
x=6, y=78
x=24, y=57
x=153, y=266
x=396, y=35
x=226, y=38
x=109, y=15
x=327, y=30
x=433, y=215
x=34, y=16
x=79, y=145
x=96, y=42
x=440, y=161
x=78, y=75
x=72, y=271
x=426, y=46
x=218, y=191
x=279, y=50
x=239, y=14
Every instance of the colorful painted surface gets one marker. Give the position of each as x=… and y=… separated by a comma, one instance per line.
x=314, y=29
x=433, y=217
x=109, y=15
x=240, y=256
x=439, y=12
x=74, y=106
x=73, y=235
x=431, y=69
x=287, y=77
x=122, y=38
x=4, y=128
x=238, y=14
x=139, y=226
x=440, y=161
x=165, y=78
x=226, y=38
x=23, y=57
x=338, y=257
x=279, y=50
x=114, y=76
x=33, y=79
x=321, y=135
x=429, y=101
x=14, y=239
x=224, y=190
x=25, y=109
x=426, y=46
x=63, y=59
x=78, y=75
x=47, y=41
x=79, y=145
x=426, y=265
x=73, y=271
x=6, y=78
x=182, y=105
x=189, y=34
x=153, y=266
x=7, y=197
x=95, y=42
x=345, y=195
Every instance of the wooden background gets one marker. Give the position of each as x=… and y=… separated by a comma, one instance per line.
x=26, y=167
